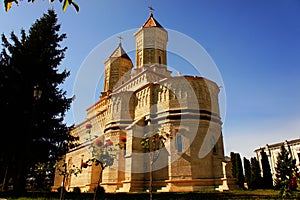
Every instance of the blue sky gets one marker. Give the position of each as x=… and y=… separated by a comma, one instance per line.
x=254, y=44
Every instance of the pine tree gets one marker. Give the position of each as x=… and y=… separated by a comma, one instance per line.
x=239, y=171
x=233, y=161
x=38, y=133
x=255, y=182
x=237, y=168
x=286, y=171
x=267, y=180
x=247, y=170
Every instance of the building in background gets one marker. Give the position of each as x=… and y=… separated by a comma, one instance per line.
x=272, y=151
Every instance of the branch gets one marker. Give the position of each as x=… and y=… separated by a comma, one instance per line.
x=8, y=4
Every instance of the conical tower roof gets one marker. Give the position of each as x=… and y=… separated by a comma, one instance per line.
x=151, y=22
x=119, y=53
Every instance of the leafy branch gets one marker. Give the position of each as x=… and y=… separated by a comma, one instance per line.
x=8, y=4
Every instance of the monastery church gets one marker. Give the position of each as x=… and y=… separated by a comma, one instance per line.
x=141, y=97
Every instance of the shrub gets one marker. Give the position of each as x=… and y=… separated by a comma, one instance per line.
x=76, y=190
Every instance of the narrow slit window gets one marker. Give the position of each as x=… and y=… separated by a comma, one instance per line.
x=179, y=143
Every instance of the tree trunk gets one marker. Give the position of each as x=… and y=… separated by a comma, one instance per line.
x=150, y=173
x=63, y=185
x=3, y=188
x=19, y=178
x=98, y=183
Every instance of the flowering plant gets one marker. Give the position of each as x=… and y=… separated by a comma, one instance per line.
x=98, y=142
x=153, y=141
x=103, y=153
x=84, y=165
x=88, y=126
x=123, y=138
x=108, y=143
x=122, y=143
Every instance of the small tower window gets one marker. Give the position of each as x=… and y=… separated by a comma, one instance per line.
x=179, y=143
x=159, y=60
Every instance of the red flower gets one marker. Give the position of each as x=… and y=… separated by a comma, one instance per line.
x=84, y=165
x=88, y=126
x=108, y=143
x=156, y=137
x=123, y=139
x=99, y=143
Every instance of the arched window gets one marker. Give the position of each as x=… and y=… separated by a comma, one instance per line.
x=179, y=143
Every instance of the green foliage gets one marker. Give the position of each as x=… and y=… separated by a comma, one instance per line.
x=237, y=169
x=233, y=161
x=153, y=141
x=76, y=190
x=103, y=152
x=99, y=191
x=8, y=4
x=39, y=133
x=286, y=173
x=255, y=180
x=40, y=177
x=267, y=180
x=247, y=170
x=67, y=169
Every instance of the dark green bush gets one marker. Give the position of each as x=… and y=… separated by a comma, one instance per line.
x=76, y=190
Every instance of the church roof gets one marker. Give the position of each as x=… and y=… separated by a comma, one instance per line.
x=119, y=52
x=151, y=22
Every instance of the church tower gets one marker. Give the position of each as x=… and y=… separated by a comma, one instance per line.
x=117, y=69
x=151, y=43
x=185, y=109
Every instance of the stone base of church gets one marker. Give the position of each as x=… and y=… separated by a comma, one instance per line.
x=190, y=185
x=83, y=188
x=182, y=185
x=111, y=187
x=132, y=186
x=228, y=184
x=140, y=186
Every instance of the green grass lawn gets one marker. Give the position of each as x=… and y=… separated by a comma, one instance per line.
x=232, y=194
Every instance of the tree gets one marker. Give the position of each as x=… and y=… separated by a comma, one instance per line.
x=66, y=170
x=233, y=161
x=239, y=171
x=247, y=170
x=8, y=4
x=255, y=182
x=286, y=172
x=153, y=142
x=37, y=132
x=103, y=154
x=267, y=180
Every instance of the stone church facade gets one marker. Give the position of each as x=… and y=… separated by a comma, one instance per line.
x=143, y=97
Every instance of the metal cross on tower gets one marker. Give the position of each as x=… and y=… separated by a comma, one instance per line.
x=151, y=9
x=120, y=39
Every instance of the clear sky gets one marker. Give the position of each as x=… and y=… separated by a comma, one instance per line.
x=254, y=44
